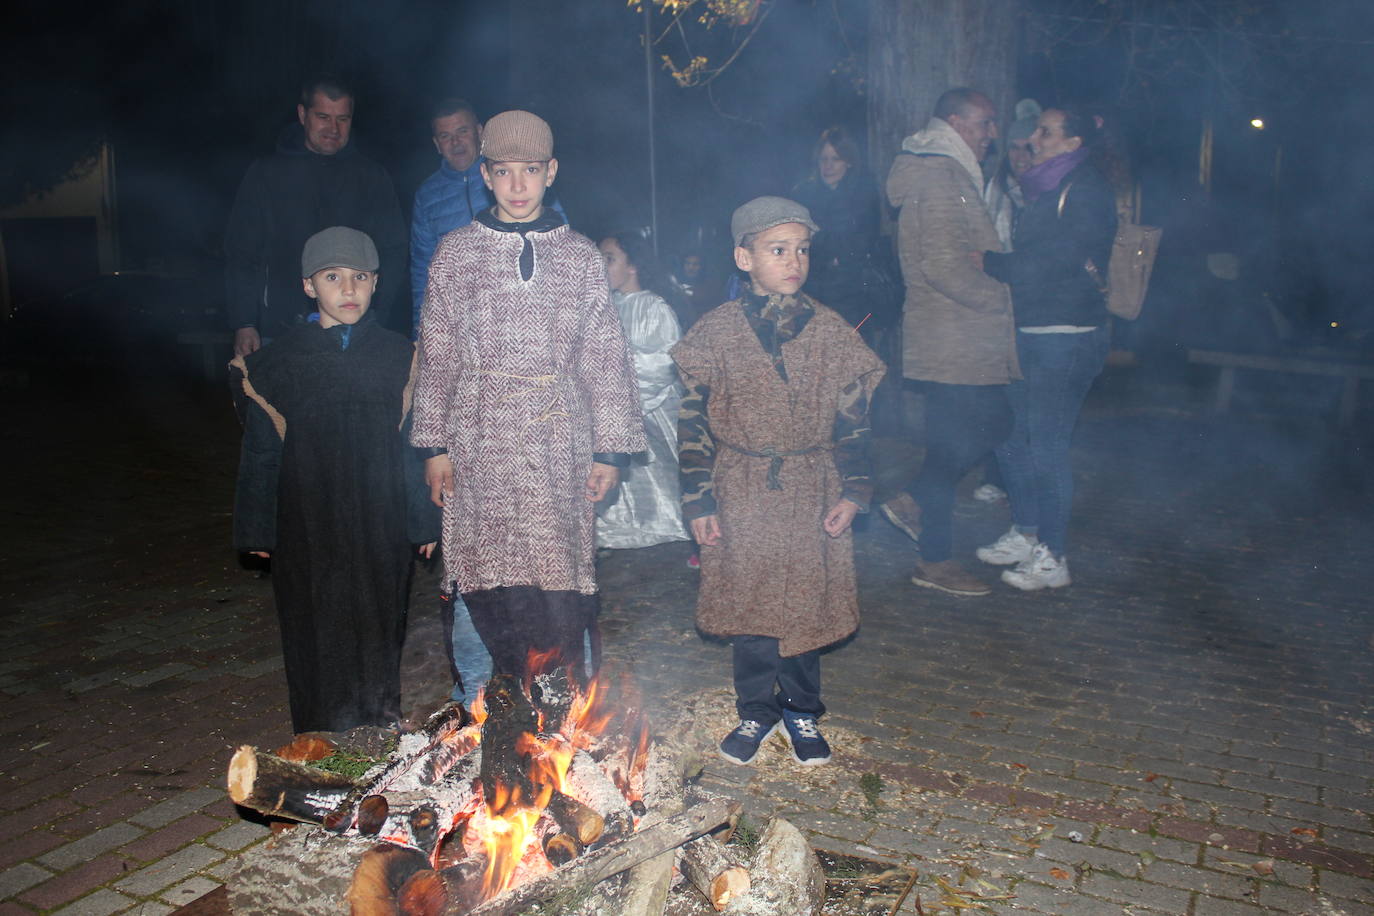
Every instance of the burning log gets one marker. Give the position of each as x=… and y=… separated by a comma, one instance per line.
x=706, y=863
x=378, y=879
x=280, y=788
x=576, y=818
x=585, y=872
x=423, y=894
x=447, y=720
x=372, y=814
x=463, y=884
x=505, y=764
x=648, y=883
x=553, y=693
x=562, y=848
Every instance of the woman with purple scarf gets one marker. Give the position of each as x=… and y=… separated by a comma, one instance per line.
x=1061, y=246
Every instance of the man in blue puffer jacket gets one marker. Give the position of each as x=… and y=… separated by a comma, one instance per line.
x=451, y=197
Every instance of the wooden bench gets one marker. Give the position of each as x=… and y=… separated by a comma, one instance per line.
x=1352, y=373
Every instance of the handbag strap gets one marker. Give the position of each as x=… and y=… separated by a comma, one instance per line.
x=1063, y=196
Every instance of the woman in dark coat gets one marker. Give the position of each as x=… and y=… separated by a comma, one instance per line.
x=843, y=201
x=1061, y=247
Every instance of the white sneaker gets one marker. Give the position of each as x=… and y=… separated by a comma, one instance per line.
x=1039, y=570
x=989, y=493
x=1012, y=547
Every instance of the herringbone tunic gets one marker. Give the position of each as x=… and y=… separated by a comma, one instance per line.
x=522, y=381
x=776, y=572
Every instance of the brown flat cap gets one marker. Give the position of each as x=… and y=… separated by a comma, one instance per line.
x=517, y=136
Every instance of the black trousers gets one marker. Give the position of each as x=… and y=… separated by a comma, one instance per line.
x=517, y=620
x=963, y=424
x=766, y=683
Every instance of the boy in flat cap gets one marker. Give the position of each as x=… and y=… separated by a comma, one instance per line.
x=331, y=491
x=526, y=404
x=773, y=441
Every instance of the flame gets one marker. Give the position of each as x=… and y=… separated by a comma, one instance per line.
x=506, y=840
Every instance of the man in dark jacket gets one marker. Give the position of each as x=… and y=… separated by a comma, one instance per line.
x=314, y=180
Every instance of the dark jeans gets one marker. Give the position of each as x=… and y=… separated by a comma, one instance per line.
x=1058, y=370
x=963, y=424
x=515, y=621
x=766, y=683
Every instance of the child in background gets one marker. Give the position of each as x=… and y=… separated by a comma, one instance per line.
x=329, y=490
x=646, y=509
x=773, y=442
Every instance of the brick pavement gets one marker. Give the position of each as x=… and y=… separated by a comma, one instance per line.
x=1186, y=730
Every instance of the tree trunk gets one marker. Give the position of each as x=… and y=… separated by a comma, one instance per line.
x=918, y=50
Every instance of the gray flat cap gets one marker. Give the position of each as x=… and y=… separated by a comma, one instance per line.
x=338, y=246
x=766, y=212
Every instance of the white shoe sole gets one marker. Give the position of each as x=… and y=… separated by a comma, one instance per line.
x=1033, y=585
x=813, y=762
x=754, y=756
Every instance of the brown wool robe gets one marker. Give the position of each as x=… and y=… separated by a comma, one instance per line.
x=776, y=572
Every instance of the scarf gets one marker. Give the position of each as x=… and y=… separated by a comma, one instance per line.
x=937, y=138
x=549, y=219
x=1045, y=177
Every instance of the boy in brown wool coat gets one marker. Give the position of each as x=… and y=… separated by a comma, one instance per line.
x=773, y=440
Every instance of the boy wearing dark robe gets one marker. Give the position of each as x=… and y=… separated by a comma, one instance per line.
x=329, y=489
x=773, y=441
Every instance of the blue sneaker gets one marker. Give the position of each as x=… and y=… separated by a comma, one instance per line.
x=809, y=747
x=742, y=745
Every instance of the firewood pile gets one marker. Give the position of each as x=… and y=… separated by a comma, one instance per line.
x=547, y=799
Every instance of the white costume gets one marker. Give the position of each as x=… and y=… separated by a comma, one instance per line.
x=646, y=508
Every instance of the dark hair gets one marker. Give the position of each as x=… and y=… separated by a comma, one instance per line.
x=451, y=106
x=332, y=85
x=1097, y=129
x=640, y=253
x=957, y=101
x=844, y=145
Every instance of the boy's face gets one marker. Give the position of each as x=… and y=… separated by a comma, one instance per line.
x=519, y=188
x=778, y=260
x=343, y=294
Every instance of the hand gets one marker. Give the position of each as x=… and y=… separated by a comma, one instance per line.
x=439, y=478
x=601, y=480
x=246, y=340
x=840, y=517
x=265, y=554
x=706, y=530
x=427, y=550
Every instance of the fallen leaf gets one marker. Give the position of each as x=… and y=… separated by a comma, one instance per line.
x=1151, y=777
x=977, y=713
x=1264, y=867
x=1020, y=766
x=1304, y=831
x=1147, y=857
x=1059, y=873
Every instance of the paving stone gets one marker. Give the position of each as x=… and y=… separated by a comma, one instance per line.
x=177, y=806
x=188, y=891
x=238, y=836
x=1155, y=896
x=175, y=868
x=1212, y=883
x=20, y=878
x=77, y=881
x=90, y=846
x=102, y=903
x=1215, y=906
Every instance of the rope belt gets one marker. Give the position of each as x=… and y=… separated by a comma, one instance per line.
x=540, y=383
x=774, y=466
